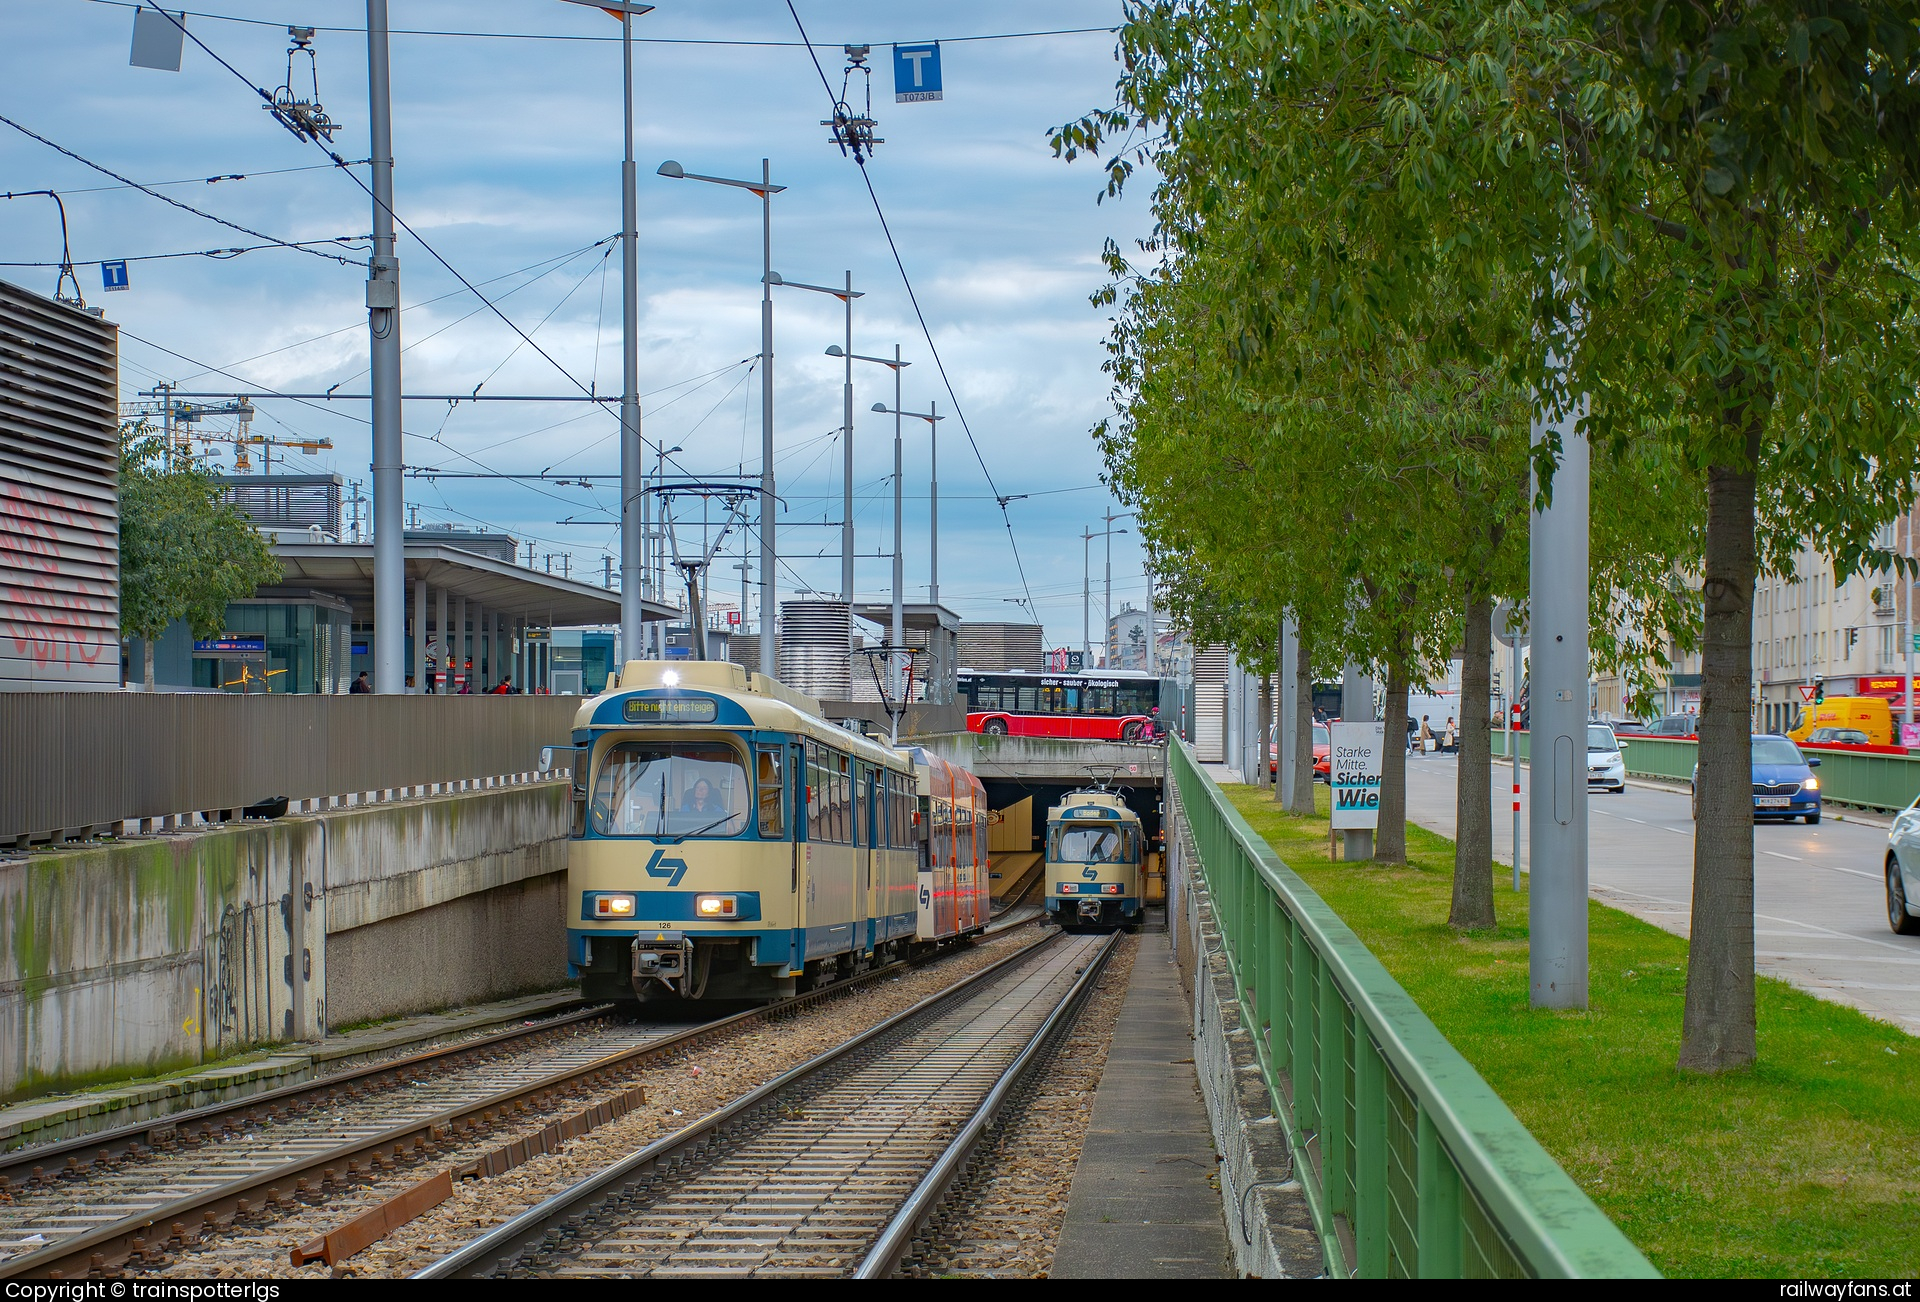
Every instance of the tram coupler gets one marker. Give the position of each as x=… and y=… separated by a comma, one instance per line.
x=665, y=956
x=1090, y=910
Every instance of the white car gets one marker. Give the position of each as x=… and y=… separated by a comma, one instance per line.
x=1903, y=871
x=1606, y=767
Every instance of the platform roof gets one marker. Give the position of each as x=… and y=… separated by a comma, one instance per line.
x=915, y=615
x=543, y=600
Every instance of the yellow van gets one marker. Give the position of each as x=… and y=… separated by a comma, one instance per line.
x=1867, y=713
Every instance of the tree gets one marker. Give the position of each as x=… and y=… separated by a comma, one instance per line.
x=1699, y=218
x=184, y=553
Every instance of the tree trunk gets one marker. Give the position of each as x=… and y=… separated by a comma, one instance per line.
x=1390, y=838
x=1263, y=717
x=1717, y=1029
x=146, y=656
x=1300, y=800
x=1473, y=804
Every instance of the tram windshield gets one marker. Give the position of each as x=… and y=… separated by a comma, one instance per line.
x=671, y=789
x=1092, y=845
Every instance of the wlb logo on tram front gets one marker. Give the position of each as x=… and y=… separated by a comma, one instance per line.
x=661, y=866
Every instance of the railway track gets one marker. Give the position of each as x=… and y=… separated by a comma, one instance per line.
x=122, y=1198
x=828, y=1170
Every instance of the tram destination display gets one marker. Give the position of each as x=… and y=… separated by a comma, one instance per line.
x=671, y=709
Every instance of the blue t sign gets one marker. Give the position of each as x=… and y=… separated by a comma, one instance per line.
x=916, y=73
x=113, y=274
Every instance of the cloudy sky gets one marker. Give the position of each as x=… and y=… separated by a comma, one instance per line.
x=507, y=141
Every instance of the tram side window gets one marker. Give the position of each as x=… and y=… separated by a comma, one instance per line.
x=772, y=794
x=816, y=794
x=671, y=789
x=842, y=802
x=860, y=813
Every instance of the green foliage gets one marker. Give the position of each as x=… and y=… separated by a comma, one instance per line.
x=1801, y=1166
x=184, y=554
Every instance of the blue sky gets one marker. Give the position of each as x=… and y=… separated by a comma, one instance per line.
x=508, y=164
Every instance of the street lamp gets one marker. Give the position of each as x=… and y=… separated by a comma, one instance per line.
x=898, y=632
x=1086, y=588
x=1107, y=601
x=633, y=465
x=769, y=603
x=846, y=296
x=933, y=418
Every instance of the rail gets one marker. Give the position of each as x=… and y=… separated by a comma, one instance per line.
x=81, y=761
x=1868, y=779
x=1412, y=1165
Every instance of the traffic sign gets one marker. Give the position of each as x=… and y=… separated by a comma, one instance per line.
x=1509, y=625
x=1807, y=691
x=916, y=73
x=114, y=274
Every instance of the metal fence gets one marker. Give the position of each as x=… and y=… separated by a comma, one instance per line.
x=1412, y=1165
x=1847, y=777
x=70, y=761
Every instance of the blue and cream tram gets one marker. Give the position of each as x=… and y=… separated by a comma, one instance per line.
x=1094, y=849
x=729, y=843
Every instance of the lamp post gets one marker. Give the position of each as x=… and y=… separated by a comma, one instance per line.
x=897, y=635
x=846, y=296
x=655, y=570
x=633, y=464
x=383, y=328
x=1086, y=587
x=933, y=418
x=1107, y=601
x=769, y=596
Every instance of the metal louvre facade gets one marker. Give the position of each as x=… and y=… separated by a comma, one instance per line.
x=81, y=760
x=59, y=496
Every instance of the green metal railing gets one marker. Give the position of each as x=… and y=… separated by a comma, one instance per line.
x=1847, y=777
x=1412, y=1165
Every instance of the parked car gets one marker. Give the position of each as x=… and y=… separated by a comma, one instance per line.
x=1903, y=871
x=1829, y=736
x=1629, y=727
x=1322, y=753
x=1783, y=782
x=1606, y=766
x=1674, y=725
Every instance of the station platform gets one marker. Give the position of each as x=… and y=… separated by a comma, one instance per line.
x=1145, y=1202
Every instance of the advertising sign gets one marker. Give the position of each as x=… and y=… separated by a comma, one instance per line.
x=1354, y=773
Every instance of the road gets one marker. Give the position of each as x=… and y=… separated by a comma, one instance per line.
x=1819, y=897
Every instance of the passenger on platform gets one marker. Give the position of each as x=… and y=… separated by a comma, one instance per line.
x=502, y=688
x=361, y=687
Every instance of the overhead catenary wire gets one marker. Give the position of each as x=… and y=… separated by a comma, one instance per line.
x=169, y=199
x=598, y=40
x=342, y=241
x=914, y=298
x=346, y=168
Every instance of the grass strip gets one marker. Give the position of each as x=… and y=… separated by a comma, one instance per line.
x=1807, y=1164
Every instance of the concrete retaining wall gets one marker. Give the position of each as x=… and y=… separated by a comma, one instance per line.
x=159, y=953
x=1270, y=1229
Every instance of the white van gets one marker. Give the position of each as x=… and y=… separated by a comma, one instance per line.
x=1436, y=710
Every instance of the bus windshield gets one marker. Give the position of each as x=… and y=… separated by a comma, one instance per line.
x=1092, y=845
x=663, y=788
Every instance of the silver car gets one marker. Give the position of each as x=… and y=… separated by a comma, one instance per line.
x=1903, y=871
x=1606, y=767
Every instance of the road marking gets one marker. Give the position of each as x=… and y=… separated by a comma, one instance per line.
x=1630, y=819
x=1776, y=854
x=1676, y=831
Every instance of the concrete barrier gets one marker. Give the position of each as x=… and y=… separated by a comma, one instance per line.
x=159, y=953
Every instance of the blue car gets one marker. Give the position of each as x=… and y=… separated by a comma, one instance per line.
x=1783, y=781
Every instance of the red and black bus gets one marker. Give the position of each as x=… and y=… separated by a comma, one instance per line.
x=1110, y=705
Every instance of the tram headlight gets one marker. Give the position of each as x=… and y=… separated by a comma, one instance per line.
x=613, y=906
x=716, y=906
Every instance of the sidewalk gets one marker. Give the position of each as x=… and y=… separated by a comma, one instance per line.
x=1145, y=1201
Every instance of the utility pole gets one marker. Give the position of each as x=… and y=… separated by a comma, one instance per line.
x=769, y=594
x=933, y=484
x=1086, y=599
x=633, y=453
x=1558, y=578
x=383, y=325
x=898, y=629
x=846, y=488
